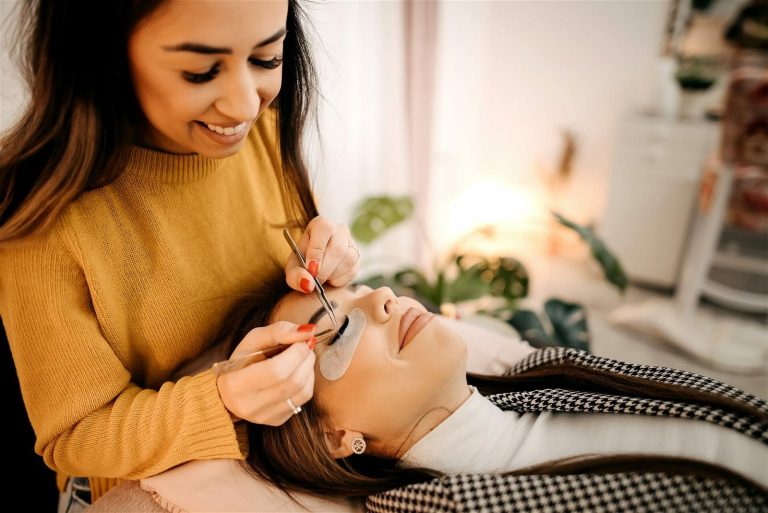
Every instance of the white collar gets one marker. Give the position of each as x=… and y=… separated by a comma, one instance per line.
x=463, y=442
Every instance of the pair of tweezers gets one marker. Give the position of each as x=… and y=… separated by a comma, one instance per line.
x=239, y=362
x=318, y=288
x=247, y=359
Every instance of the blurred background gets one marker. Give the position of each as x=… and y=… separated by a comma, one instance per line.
x=451, y=102
x=449, y=131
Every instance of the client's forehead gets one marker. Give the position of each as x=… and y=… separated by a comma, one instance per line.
x=295, y=307
x=300, y=308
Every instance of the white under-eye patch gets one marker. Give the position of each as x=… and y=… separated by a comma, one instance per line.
x=335, y=361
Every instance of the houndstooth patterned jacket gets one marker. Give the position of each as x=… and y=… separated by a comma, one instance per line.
x=623, y=491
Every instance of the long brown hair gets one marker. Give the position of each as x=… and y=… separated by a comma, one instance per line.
x=82, y=116
x=295, y=458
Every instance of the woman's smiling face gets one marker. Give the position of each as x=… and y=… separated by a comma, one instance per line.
x=205, y=71
x=407, y=365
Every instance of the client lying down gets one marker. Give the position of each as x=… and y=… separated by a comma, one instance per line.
x=393, y=406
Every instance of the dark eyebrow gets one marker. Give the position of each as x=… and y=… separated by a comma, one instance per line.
x=271, y=39
x=321, y=311
x=213, y=50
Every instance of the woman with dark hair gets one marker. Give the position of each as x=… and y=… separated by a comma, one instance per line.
x=394, y=407
x=143, y=191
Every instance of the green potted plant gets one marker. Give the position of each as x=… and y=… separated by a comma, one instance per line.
x=695, y=75
x=463, y=277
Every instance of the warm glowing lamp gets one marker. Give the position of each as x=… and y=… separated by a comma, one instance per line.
x=514, y=212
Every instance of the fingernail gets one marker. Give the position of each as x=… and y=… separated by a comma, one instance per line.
x=304, y=284
x=306, y=327
x=312, y=267
x=311, y=343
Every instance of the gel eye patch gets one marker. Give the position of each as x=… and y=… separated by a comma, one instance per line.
x=335, y=361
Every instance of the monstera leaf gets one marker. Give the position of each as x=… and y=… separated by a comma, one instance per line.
x=407, y=282
x=377, y=214
x=470, y=281
x=417, y=285
x=464, y=279
x=509, y=279
x=568, y=323
x=528, y=325
x=479, y=276
x=469, y=277
x=612, y=269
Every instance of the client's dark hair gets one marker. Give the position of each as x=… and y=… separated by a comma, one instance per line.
x=295, y=458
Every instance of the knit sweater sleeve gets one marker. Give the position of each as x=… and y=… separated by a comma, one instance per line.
x=89, y=418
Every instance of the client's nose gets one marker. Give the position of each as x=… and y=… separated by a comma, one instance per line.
x=383, y=302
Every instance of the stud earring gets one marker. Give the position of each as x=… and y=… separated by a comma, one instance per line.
x=358, y=445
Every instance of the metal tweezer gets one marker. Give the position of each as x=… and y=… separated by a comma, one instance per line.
x=318, y=288
x=247, y=359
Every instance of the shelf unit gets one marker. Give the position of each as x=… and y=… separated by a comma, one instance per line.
x=738, y=275
x=653, y=187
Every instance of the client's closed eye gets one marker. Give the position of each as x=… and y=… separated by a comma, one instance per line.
x=339, y=333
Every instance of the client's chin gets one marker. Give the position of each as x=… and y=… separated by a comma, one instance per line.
x=442, y=350
x=451, y=342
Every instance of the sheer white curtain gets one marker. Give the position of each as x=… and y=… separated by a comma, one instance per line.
x=421, y=22
x=12, y=91
x=362, y=117
x=462, y=105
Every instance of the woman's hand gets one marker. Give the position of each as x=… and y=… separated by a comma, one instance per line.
x=259, y=393
x=331, y=254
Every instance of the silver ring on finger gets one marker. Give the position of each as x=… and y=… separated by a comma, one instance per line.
x=295, y=409
x=356, y=251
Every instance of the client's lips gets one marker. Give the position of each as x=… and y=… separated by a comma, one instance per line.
x=411, y=323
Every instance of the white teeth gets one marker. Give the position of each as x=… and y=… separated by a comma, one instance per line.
x=230, y=130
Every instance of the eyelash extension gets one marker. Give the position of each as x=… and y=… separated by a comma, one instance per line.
x=199, y=78
x=339, y=333
x=271, y=64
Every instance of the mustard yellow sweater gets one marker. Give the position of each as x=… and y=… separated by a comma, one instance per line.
x=134, y=279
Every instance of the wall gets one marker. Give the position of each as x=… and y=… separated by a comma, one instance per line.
x=513, y=74
x=362, y=115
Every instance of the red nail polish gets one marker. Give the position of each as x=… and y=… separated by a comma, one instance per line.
x=304, y=284
x=311, y=343
x=312, y=267
x=306, y=327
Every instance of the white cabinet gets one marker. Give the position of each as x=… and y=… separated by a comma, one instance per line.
x=653, y=186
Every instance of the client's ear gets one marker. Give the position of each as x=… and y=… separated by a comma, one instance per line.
x=339, y=442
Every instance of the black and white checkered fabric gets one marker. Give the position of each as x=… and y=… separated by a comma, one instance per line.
x=553, y=356
x=578, y=493
x=575, y=401
x=648, y=491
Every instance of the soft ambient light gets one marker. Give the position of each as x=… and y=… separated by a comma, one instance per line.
x=511, y=208
x=494, y=203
